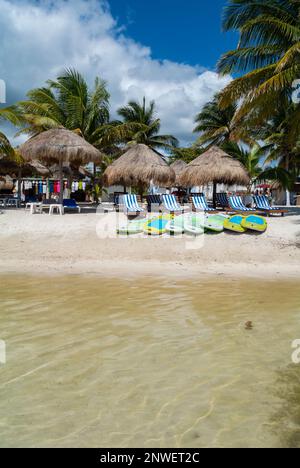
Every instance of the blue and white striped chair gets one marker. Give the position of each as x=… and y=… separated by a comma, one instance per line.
x=222, y=200
x=154, y=202
x=200, y=204
x=262, y=204
x=171, y=205
x=131, y=205
x=236, y=204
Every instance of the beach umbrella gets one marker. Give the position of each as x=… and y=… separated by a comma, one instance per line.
x=138, y=167
x=60, y=146
x=178, y=167
x=216, y=167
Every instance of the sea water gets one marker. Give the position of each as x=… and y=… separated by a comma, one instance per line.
x=91, y=362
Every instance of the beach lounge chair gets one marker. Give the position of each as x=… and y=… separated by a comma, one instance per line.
x=70, y=204
x=200, y=204
x=154, y=202
x=131, y=205
x=222, y=200
x=236, y=204
x=171, y=205
x=262, y=204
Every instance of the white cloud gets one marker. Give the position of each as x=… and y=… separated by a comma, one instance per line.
x=39, y=40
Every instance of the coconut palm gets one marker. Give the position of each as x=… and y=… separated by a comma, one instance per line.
x=139, y=125
x=252, y=159
x=267, y=54
x=215, y=124
x=67, y=102
x=186, y=154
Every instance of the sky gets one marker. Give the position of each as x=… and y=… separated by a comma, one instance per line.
x=165, y=50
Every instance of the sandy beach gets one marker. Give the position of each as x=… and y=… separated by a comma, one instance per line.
x=86, y=244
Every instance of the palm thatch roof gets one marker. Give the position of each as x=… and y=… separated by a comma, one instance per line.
x=214, y=166
x=70, y=171
x=178, y=167
x=59, y=144
x=139, y=166
x=12, y=168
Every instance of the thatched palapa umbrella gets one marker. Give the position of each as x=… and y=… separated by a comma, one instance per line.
x=138, y=167
x=178, y=167
x=217, y=167
x=61, y=146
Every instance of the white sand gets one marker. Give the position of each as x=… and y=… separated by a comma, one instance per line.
x=70, y=244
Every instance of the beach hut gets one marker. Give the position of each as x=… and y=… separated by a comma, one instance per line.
x=216, y=167
x=138, y=167
x=178, y=167
x=60, y=146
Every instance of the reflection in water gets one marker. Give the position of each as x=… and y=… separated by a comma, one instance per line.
x=149, y=363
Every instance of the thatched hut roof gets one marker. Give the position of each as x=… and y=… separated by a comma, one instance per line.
x=138, y=167
x=214, y=166
x=10, y=167
x=178, y=167
x=59, y=144
x=70, y=171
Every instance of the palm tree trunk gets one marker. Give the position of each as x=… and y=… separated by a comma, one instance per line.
x=19, y=185
x=287, y=192
x=215, y=195
x=61, y=180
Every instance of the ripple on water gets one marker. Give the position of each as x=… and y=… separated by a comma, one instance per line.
x=151, y=363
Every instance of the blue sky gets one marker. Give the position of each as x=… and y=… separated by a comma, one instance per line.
x=184, y=31
x=164, y=50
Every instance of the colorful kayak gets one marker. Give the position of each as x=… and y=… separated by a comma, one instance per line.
x=215, y=223
x=234, y=223
x=157, y=226
x=255, y=223
x=132, y=227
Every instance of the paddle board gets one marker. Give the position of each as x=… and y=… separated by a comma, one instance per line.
x=255, y=223
x=234, y=223
x=215, y=223
x=132, y=227
x=157, y=226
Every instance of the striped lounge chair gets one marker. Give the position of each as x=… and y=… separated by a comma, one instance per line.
x=154, y=202
x=200, y=204
x=236, y=204
x=131, y=206
x=171, y=205
x=222, y=200
x=262, y=204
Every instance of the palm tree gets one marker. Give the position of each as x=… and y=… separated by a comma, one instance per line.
x=186, y=154
x=251, y=158
x=267, y=54
x=11, y=115
x=67, y=102
x=215, y=124
x=138, y=125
